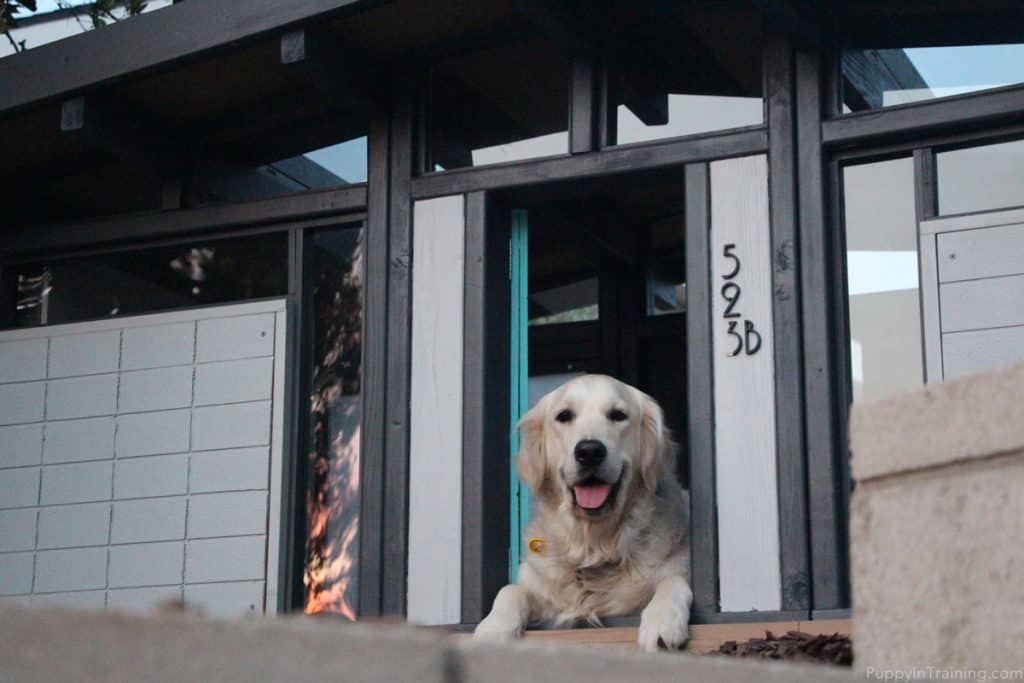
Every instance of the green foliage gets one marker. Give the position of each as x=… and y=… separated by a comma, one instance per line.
x=100, y=13
x=8, y=8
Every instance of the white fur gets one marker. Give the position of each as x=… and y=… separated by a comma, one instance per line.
x=632, y=558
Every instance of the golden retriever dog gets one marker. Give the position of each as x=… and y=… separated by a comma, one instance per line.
x=609, y=532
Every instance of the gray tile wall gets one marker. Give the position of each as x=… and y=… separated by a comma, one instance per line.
x=134, y=464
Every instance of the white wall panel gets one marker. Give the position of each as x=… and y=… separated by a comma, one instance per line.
x=744, y=385
x=81, y=397
x=21, y=445
x=77, y=440
x=23, y=360
x=85, y=354
x=103, y=480
x=21, y=403
x=435, y=477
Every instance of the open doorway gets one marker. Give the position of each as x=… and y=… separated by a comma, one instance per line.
x=599, y=286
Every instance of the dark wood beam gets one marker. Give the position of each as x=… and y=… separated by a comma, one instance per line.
x=576, y=32
x=868, y=74
x=920, y=119
x=742, y=142
x=786, y=16
x=165, y=224
x=341, y=75
x=155, y=39
x=127, y=135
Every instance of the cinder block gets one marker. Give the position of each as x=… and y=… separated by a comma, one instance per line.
x=226, y=600
x=156, y=519
x=21, y=445
x=234, y=381
x=102, y=647
x=21, y=361
x=85, y=354
x=152, y=433
x=231, y=426
x=145, y=564
x=21, y=403
x=79, y=440
x=939, y=424
x=158, y=346
x=243, y=468
x=153, y=475
x=159, y=389
x=17, y=530
x=77, y=483
x=526, y=661
x=142, y=600
x=936, y=523
x=77, y=600
x=67, y=526
x=15, y=573
x=227, y=514
x=81, y=397
x=19, y=487
x=235, y=337
x=70, y=570
x=225, y=559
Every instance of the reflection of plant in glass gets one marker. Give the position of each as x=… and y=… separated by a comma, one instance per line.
x=332, y=505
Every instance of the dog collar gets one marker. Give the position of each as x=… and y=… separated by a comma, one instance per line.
x=536, y=545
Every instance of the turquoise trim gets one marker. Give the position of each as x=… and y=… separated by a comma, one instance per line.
x=519, y=496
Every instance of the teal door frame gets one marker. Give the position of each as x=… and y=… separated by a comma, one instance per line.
x=519, y=495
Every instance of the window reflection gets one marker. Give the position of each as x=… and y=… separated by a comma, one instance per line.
x=876, y=78
x=882, y=278
x=334, y=289
x=147, y=280
x=981, y=178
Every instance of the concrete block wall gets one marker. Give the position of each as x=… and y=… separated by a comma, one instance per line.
x=937, y=520
x=135, y=462
x=170, y=648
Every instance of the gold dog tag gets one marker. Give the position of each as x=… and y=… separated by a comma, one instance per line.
x=536, y=545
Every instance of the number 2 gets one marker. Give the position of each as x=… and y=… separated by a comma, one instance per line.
x=731, y=293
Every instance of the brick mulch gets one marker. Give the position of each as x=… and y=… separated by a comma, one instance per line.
x=794, y=646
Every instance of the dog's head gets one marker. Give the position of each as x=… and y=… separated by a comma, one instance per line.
x=590, y=443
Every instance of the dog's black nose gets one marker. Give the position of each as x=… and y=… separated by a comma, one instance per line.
x=590, y=452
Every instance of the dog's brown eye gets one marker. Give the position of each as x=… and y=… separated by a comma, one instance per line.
x=565, y=416
x=617, y=415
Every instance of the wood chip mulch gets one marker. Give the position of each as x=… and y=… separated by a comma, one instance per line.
x=794, y=647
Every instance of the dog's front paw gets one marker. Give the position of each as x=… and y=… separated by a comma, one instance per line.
x=497, y=629
x=664, y=622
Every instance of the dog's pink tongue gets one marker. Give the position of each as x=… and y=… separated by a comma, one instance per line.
x=593, y=496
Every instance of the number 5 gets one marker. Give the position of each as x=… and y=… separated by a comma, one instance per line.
x=727, y=252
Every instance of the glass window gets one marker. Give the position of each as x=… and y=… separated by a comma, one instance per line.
x=322, y=168
x=563, y=274
x=666, y=267
x=980, y=178
x=886, y=354
x=705, y=81
x=876, y=78
x=147, y=280
x=334, y=286
x=506, y=102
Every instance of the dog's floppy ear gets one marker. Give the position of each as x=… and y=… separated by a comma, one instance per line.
x=531, y=461
x=657, y=450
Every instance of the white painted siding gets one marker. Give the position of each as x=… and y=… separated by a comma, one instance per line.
x=972, y=280
x=131, y=471
x=435, y=475
x=744, y=385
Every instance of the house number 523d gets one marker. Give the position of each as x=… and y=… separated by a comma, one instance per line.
x=748, y=339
